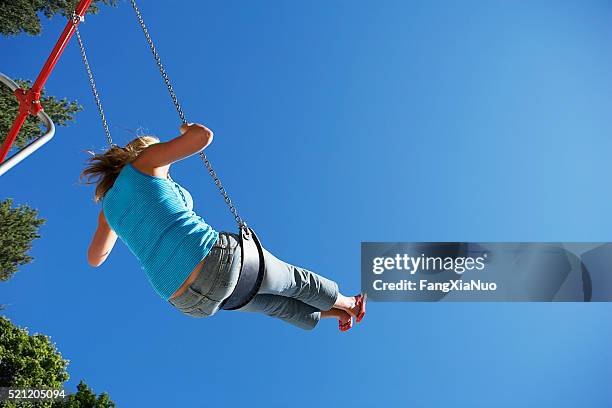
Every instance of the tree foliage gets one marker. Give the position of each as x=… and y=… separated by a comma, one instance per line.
x=17, y=16
x=29, y=361
x=33, y=361
x=86, y=398
x=18, y=228
x=61, y=112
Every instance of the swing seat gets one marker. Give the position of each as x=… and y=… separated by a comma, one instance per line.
x=252, y=270
x=16, y=158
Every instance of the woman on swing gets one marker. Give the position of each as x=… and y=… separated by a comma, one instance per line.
x=188, y=263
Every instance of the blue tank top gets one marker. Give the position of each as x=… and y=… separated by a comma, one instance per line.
x=154, y=217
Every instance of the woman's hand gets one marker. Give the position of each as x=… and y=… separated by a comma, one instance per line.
x=188, y=126
x=185, y=127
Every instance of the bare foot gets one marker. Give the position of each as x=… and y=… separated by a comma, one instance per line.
x=345, y=320
x=353, y=305
x=344, y=317
x=337, y=313
x=348, y=304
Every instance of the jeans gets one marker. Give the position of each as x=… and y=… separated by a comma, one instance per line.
x=290, y=293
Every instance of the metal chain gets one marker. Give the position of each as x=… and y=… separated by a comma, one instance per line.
x=158, y=61
x=222, y=191
x=92, y=84
x=241, y=223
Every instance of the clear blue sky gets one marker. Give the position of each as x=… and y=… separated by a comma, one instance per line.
x=335, y=123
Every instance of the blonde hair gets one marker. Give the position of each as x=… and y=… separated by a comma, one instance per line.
x=103, y=169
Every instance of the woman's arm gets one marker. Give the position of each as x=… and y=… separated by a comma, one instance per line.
x=102, y=243
x=193, y=139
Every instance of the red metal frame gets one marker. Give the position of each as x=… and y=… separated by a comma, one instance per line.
x=29, y=103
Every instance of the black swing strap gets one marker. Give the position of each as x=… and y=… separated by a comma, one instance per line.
x=252, y=272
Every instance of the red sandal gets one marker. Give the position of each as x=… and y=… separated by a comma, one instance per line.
x=345, y=326
x=361, y=304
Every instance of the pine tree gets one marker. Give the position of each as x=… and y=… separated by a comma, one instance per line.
x=61, y=112
x=17, y=16
x=18, y=228
x=86, y=398
x=32, y=360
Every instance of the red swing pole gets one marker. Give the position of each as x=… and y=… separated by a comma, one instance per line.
x=29, y=100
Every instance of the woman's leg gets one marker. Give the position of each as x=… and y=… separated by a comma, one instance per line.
x=342, y=316
x=292, y=311
x=287, y=280
x=299, y=296
x=289, y=310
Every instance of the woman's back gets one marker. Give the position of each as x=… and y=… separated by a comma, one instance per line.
x=155, y=219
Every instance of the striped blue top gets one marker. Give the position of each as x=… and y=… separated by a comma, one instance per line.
x=154, y=217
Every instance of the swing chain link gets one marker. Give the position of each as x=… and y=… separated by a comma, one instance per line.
x=75, y=21
x=162, y=70
x=241, y=223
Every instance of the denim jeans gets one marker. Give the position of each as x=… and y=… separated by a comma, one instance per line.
x=290, y=293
